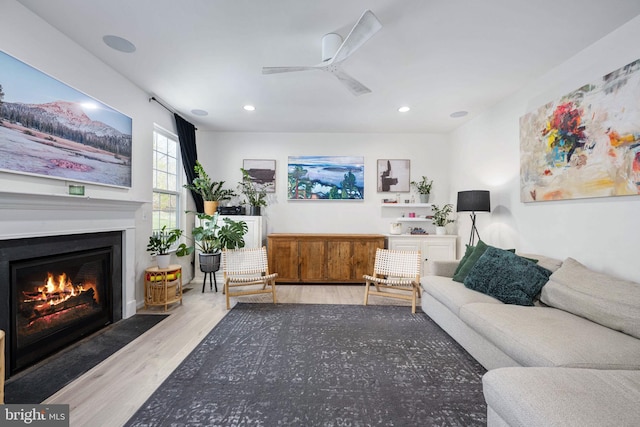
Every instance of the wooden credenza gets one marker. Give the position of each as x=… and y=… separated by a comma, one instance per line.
x=322, y=258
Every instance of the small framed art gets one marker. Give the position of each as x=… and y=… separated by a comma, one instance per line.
x=262, y=172
x=394, y=175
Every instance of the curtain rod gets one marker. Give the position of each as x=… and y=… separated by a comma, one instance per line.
x=171, y=110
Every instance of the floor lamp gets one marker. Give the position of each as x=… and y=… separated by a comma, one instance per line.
x=473, y=201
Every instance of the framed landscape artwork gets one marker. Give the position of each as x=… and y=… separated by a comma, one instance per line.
x=262, y=172
x=394, y=175
x=585, y=144
x=50, y=129
x=325, y=178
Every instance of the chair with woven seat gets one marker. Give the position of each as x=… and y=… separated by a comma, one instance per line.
x=394, y=274
x=247, y=268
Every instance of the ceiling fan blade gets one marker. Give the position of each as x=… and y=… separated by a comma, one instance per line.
x=352, y=84
x=273, y=70
x=364, y=29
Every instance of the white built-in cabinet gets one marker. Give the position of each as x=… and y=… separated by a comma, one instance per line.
x=433, y=247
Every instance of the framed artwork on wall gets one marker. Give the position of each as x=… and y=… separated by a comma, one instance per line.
x=325, y=178
x=586, y=143
x=50, y=129
x=394, y=175
x=262, y=172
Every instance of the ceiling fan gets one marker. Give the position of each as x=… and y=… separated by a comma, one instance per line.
x=335, y=51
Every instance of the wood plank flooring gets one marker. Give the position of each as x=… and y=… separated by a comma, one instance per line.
x=109, y=394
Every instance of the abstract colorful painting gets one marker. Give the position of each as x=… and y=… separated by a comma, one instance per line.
x=50, y=129
x=325, y=177
x=585, y=144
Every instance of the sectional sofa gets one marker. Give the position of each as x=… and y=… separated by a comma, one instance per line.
x=570, y=359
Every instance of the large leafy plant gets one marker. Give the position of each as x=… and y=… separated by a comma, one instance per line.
x=211, y=238
x=209, y=190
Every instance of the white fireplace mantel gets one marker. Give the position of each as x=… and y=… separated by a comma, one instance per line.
x=26, y=215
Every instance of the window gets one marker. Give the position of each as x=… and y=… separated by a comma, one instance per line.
x=167, y=180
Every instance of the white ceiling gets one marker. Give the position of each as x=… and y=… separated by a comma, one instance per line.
x=437, y=56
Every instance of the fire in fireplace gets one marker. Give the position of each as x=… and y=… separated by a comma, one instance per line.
x=61, y=293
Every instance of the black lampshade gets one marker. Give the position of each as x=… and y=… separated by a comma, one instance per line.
x=474, y=201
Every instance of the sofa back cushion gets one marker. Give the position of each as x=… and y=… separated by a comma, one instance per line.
x=609, y=301
x=507, y=277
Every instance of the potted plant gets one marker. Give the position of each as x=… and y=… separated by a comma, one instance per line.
x=212, y=192
x=255, y=194
x=161, y=241
x=210, y=238
x=423, y=187
x=441, y=217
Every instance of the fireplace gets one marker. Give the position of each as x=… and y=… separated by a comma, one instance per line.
x=58, y=289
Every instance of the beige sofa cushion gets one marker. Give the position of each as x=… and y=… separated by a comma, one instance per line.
x=601, y=298
x=551, y=264
x=543, y=336
x=453, y=294
x=563, y=397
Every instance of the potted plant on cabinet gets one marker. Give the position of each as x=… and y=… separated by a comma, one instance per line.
x=160, y=242
x=212, y=192
x=210, y=238
x=441, y=217
x=255, y=194
x=423, y=187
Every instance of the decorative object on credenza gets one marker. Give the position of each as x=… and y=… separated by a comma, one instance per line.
x=423, y=187
x=255, y=194
x=441, y=217
x=50, y=129
x=160, y=243
x=393, y=175
x=212, y=192
x=474, y=201
x=325, y=178
x=262, y=173
x=586, y=143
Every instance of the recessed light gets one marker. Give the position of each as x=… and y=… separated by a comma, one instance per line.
x=249, y=107
x=199, y=112
x=403, y=109
x=458, y=114
x=119, y=44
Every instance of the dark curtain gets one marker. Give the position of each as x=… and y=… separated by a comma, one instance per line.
x=187, y=139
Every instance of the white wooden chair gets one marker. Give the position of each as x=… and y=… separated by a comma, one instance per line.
x=247, y=268
x=394, y=274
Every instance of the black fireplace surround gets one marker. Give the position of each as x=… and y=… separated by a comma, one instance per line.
x=43, y=316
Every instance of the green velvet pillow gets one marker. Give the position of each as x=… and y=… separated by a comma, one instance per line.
x=507, y=277
x=466, y=255
x=463, y=269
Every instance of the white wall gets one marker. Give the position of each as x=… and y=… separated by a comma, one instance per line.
x=222, y=154
x=602, y=233
x=31, y=40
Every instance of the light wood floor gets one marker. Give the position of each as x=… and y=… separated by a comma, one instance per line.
x=110, y=393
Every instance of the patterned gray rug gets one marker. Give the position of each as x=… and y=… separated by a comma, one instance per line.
x=321, y=365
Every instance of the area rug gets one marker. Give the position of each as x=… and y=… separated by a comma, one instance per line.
x=40, y=381
x=321, y=365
